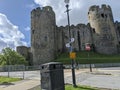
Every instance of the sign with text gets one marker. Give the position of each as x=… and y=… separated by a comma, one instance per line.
x=87, y=47
x=72, y=55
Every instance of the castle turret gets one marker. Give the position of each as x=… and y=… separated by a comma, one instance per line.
x=43, y=34
x=104, y=33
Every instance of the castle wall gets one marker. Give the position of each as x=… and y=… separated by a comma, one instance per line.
x=117, y=27
x=43, y=28
x=81, y=33
x=60, y=40
x=48, y=40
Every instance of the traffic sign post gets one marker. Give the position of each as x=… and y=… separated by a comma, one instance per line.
x=88, y=48
x=69, y=45
x=72, y=55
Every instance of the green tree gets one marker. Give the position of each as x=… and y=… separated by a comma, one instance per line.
x=11, y=57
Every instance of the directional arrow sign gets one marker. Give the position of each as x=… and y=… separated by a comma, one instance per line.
x=72, y=40
x=68, y=45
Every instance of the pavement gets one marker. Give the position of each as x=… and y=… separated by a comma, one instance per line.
x=22, y=85
x=108, y=78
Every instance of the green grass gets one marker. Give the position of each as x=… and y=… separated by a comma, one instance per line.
x=70, y=87
x=82, y=58
x=8, y=80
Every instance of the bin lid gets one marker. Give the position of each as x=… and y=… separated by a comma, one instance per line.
x=52, y=63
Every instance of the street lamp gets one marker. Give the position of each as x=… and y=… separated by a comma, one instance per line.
x=70, y=39
x=67, y=7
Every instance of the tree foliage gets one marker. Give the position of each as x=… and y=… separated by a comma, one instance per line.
x=11, y=57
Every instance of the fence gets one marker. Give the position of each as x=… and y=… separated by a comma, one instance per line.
x=28, y=72
x=19, y=71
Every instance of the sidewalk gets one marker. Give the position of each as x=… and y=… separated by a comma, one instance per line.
x=22, y=85
x=108, y=78
x=29, y=84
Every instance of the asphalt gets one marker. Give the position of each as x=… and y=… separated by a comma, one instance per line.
x=108, y=78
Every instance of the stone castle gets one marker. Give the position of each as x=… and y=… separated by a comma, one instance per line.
x=48, y=40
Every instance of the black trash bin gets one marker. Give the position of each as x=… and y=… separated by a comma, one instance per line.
x=52, y=76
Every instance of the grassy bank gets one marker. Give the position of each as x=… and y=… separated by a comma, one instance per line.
x=82, y=58
x=70, y=87
x=4, y=80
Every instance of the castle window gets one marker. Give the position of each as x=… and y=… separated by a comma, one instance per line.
x=33, y=31
x=45, y=38
x=73, y=32
x=93, y=30
x=102, y=15
x=118, y=27
x=106, y=15
x=119, y=42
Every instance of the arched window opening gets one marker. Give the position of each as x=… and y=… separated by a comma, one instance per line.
x=102, y=15
x=93, y=30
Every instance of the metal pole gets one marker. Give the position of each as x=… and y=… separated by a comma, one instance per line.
x=89, y=62
x=8, y=70
x=72, y=61
x=73, y=74
x=67, y=6
x=23, y=72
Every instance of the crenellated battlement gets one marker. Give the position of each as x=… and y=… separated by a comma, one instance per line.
x=97, y=8
x=42, y=9
x=47, y=8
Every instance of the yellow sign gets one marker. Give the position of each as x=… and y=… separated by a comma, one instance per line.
x=72, y=55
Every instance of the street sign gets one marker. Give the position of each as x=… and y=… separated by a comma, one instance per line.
x=72, y=40
x=72, y=55
x=87, y=47
x=67, y=45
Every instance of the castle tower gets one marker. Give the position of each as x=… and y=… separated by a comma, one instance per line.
x=104, y=34
x=43, y=28
x=25, y=52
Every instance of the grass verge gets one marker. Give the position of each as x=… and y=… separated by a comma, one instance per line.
x=82, y=58
x=70, y=87
x=5, y=80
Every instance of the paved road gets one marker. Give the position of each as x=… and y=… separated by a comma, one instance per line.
x=102, y=77
x=101, y=80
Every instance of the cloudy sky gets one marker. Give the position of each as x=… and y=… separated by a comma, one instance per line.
x=15, y=17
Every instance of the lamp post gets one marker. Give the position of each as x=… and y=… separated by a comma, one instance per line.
x=70, y=51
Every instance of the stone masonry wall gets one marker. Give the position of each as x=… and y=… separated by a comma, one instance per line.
x=43, y=28
x=101, y=21
x=48, y=40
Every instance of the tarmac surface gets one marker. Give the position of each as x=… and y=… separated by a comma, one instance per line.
x=108, y=78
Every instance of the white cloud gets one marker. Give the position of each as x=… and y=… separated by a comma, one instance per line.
x=27, y=28
x=79, y=9
x=59, y=8
x=10, y=36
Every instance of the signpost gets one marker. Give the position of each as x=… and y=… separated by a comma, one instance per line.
x=72, y=55
x=88, y=48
